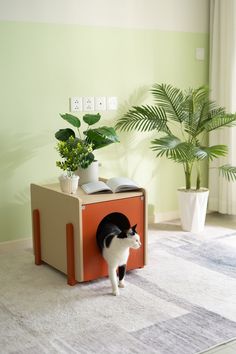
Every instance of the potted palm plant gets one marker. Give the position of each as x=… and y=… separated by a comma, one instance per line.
x=183, y=118
x=90, y=139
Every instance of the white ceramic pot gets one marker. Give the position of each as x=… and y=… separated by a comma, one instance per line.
x=89, y=174
x=193, y=207
x=69, y=184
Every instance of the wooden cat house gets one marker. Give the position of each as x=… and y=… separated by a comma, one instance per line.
x=65, y=227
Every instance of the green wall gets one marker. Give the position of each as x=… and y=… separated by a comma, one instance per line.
x=42, y=65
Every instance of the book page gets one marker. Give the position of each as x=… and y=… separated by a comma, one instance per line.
x=95, y=187
x=121, y=184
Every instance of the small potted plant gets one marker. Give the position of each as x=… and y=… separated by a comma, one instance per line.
x=90, y=139
x=183, y=118
x=74, y=153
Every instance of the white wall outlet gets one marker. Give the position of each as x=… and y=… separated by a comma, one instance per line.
x=112, y=103
x=88, y=103
x=100, y=103
x=76, y=104
x=200, y=54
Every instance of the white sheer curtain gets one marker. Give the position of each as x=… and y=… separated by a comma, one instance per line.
x=223, y=89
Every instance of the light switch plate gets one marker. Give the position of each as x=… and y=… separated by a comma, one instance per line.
x=200, y=54
x=112, y=103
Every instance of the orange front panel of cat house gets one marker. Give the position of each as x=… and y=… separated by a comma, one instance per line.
x=92, y=215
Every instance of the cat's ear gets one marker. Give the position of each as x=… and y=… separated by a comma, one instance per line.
x=134, y=228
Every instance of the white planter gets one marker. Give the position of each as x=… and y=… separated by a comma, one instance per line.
x=89, y=174
x=193, y=207
x=69, y=184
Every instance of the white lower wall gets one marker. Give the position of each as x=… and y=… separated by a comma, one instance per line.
x=15, y=245
x=162, y=217
x=168, y=15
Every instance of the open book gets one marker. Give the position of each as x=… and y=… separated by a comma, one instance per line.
x=112, y=185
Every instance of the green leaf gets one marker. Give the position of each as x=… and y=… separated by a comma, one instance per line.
x=87, y=160
x=171, y=99
x=144, y=118
x=200, y=94
x=211, y=152
x=220, y=121
x=196, y=110
x=229, y=172
x=91, y=119
x=174, y=149
x=101, y=137
x=73, y=120
x=64, y=134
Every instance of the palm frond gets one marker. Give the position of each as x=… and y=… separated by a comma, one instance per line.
x=201, y=94
x=196, y=109
x=224, y=120
x=229, y=172
x=144, y=118
x=210, y=152
x=215, y=111
x=171, y=99
x=191, y=124
x=173, y=149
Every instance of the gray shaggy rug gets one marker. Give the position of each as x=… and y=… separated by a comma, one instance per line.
x=182, y=302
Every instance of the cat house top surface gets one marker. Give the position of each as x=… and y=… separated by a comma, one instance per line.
x=92, y=198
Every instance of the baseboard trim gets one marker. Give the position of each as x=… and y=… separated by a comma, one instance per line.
x=168, y=216
x=162, y=217
x=14, y=245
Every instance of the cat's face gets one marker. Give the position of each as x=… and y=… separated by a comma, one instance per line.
x=133, y=237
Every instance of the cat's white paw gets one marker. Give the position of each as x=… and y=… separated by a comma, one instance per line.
x=121, y=285
x=116, y=292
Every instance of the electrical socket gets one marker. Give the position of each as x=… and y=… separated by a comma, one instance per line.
x=88, y=103
x=76, y=104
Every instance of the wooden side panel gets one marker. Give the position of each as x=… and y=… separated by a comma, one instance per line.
x=92, y=214
x=56, y=210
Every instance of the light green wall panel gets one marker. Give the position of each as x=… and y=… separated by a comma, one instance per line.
x=42, y=65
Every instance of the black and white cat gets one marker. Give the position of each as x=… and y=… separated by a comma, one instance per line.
x=115, y=245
